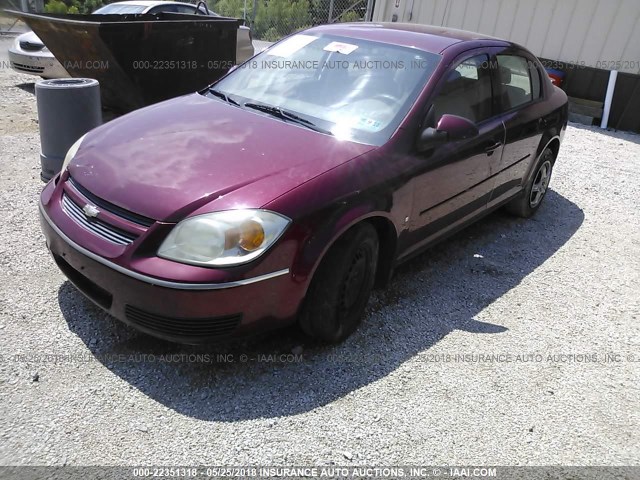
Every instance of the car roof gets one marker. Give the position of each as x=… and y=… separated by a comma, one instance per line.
x=431, y=38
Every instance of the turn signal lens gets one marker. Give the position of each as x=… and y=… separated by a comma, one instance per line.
x=251, y=236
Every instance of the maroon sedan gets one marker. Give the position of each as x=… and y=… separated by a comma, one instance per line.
x=290, y=187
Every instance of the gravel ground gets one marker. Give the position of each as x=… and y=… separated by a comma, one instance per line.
x=553, y=295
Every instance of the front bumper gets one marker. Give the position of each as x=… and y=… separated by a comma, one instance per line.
x=191, y=313
x=36, y=63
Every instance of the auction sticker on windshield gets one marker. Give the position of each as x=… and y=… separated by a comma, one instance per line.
x=291, y=45
x=344, y=48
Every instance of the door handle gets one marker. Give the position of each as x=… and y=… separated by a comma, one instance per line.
x=492, y=148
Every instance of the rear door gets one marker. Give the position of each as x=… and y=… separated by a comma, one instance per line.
x=520, y=102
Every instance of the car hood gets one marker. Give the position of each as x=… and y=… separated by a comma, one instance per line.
x=169, y=159
x=31, y=38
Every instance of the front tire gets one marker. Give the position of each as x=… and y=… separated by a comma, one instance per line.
x=340, y=289
x=528, y=202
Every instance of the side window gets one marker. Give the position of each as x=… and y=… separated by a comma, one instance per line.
x=466, y=92
x=515, y=82
x=186, y=9
x=164, y=8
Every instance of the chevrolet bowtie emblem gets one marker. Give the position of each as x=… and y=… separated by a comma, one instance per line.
x=90, y=211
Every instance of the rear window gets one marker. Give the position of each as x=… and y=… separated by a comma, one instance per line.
x=515, y=81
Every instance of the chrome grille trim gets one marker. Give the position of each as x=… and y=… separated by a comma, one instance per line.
x=27, y=68
x=97, y=227
x=141, y=220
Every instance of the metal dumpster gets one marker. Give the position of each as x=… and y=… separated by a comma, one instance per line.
x=140, y=59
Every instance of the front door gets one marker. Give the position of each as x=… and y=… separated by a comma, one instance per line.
x=454, y=183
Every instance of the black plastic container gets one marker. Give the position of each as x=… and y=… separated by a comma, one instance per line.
x=140, y=59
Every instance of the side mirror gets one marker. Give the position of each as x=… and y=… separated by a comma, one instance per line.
x=458, y=128
x=450, y=128
x=232, y=68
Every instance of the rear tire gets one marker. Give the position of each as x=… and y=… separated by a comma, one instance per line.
x=340, y=289
x=528, y=202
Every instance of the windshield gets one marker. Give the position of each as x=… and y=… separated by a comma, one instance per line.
x=115, y=8
x=354, y=89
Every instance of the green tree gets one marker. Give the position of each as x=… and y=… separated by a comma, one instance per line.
x=89, y=6
x=55, y=6
x=277, y=18
x=72, y=6
x=232, y=8
x=319, y=11
x=343, y=11
x=349, y=16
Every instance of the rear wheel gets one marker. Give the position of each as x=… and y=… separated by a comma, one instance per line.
x=528, y=202
x=340, y=289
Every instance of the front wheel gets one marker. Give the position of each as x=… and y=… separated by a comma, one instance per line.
x=528, y=202
x=341, y=286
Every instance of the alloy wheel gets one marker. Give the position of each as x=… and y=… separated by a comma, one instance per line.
x=540, y=184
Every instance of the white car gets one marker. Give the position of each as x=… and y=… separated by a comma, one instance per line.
x=29, y=55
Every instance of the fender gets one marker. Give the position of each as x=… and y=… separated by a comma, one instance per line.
x=544, y=143
x=335, y=223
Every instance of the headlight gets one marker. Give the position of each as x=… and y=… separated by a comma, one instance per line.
x=224, y=238
x=71, y=153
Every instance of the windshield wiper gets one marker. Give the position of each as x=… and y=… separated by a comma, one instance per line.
x=286, y=115
x=223, y=96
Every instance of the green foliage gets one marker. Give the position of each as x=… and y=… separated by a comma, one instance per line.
x=233, y=8
x=343, y=11
x=350, y=16
x=89, y=6
x=274, y=18
x=55, y=6
x=72, y=6
x=277, y=18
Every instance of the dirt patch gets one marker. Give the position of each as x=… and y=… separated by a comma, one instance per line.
x=18, y=112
